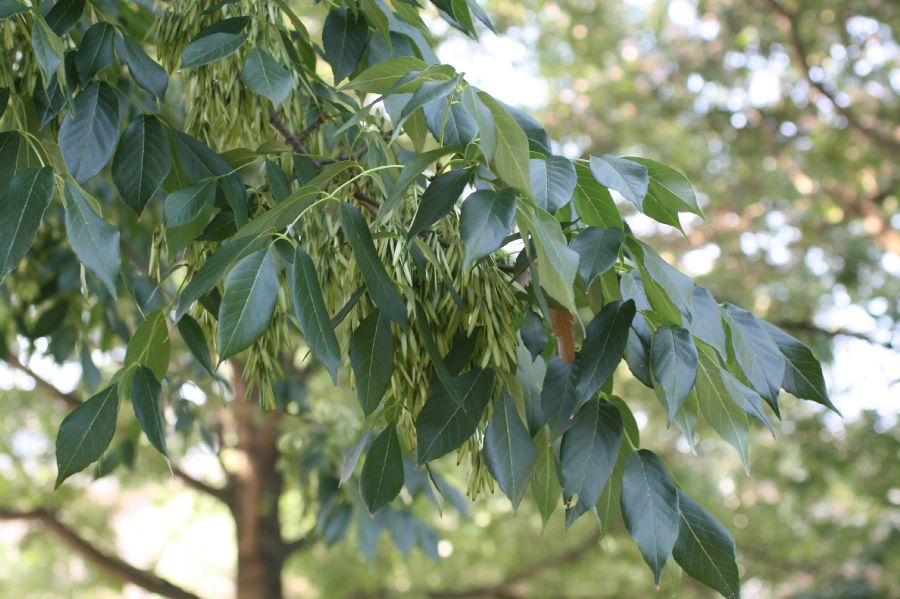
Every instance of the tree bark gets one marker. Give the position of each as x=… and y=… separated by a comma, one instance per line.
x=257, y=488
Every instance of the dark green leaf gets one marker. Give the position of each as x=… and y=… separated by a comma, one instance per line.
x=510, y=159
x=88, y=134
x=428, y=92
x=64, y=14
x=85, y=433
x=707, y=322
x=210, y=48
x=11, y=8
x=802, y=371
x=538, y=140
x=450, y=126
x=265, y=76
x=593, y=202
x=150, y=346
x=598, y=250
x=637, y=350
x=673, y=365
x=382, y=473
x=372, y=359
x=381, y=289
x=438, y=200
x=478, y=110
x=444, y=424
x=142, y=161
x=487, y=216
x=10, y=141
x=144, y=70
x=717, y=406
x=553, y=181
x=558, y=395
x=195, y=340
x=705, y=549
x=4, y=100
x=251, y=290
x=48, y=48
x=627, y=177
x=96, y=50
x=557, y=262
x=309, y=307
x=603, y=347
x=380, y=78
x=408, y=174
x=187, y=212
x=759, y=358
x=48, y=101
x=230, y=25
x=509, y=452
x=650, y=508
x=22, y=206
x=668, y=193
x=588, y=451
x=146, y=399
x=545, y=482
x=344, y=38
x=95, y=241
x=533, y=334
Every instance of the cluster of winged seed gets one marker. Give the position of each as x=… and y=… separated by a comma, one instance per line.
x=217, y=104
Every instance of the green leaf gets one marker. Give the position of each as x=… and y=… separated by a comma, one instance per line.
x=88, y=134
x=149, y=346
x=96, y=50
x=144, y=70
x=372, y=359
x=379, y=78
x=450, y=127
x=251, y=291
x=628, y=178
x=588, y=451
x=265, y=76
x=670, y=292
x=673, y=365
x=207, y=49
x=557, y=263
x=486, y=217
x=64, y=15
x=510, y=159
x=553, y=181
x=533, y=333
x=142, y=161
x=146, y=399
x=195, y=340
x=22, y=207
x=598, y=250
x=438, y=200
x=345, y=35
x=428, y=92
x=10, y=141
x=311, y=313
x=381, y=289
x=382, y=473
x=509, y=452
x=722, y=413
x=444, y=423
x=757, y=355
x=603, y=347
x=707, y=323
x=558, y=395
x=408, y=174
x=48, y=48
x=187, y=212
x=593, y=202
x=11, y=8
x=478, y=110
x=95, y=241
x=545, y=486
x=668, y=193
x=802, y=371
x=650, y=508
x=85, y=433
x=705, y=549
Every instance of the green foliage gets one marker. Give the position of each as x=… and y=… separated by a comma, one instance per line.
x=259, y=183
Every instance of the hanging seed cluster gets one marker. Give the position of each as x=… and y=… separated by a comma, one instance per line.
x=218, y=105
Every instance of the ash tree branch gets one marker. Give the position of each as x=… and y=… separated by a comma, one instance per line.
x=223, y=494
x=108, y=564
x=801, y=54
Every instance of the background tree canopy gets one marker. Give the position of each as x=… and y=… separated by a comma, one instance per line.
x=293, y=256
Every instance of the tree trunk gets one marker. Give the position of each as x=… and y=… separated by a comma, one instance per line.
x=257, y=487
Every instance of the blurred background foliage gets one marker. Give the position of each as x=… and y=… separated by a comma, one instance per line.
x=786, y=118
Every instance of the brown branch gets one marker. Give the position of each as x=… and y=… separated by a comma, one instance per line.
x=801, y=54
x=561, y=324
x=292, y=140
x=72, y=401
x=108, y=564
x=508, y=587
x=301, y=544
